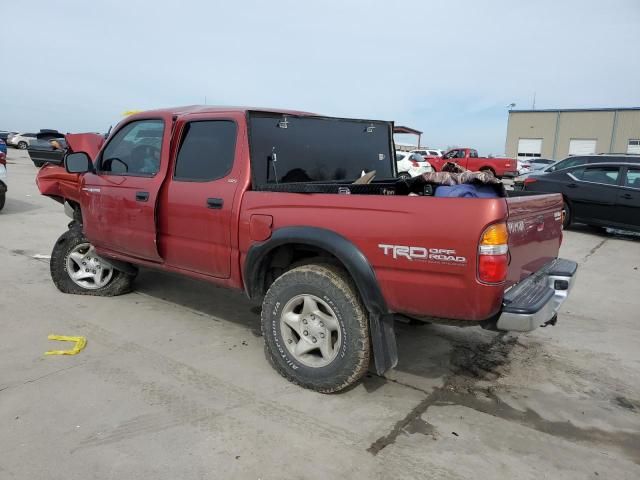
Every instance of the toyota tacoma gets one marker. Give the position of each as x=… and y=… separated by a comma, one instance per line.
x=305, y=214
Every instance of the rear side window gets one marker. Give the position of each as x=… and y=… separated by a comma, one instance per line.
x=633, y=178
x=605, y=175
x=207, y=151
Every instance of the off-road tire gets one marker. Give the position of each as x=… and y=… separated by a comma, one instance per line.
x=333, y=285
x=120, y=282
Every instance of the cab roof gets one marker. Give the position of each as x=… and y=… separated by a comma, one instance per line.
x=189, y=109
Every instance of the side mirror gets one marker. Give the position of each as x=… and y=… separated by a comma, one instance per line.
x=78, y=162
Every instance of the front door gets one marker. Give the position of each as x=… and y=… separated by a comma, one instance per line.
x=196, y=222
x=628, y=203
x=120, y=198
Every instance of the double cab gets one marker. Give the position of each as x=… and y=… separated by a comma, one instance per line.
x=304, y=213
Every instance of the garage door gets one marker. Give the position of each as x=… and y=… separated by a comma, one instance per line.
x=582, y=147
x=529, y=148
x=634, y=146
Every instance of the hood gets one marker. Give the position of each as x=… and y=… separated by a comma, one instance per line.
x=89, y=143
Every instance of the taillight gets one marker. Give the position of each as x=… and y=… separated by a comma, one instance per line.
x=493, y=254
x=414, y=163
x=530, y=180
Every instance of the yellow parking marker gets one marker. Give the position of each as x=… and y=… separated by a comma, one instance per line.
x=80, y=343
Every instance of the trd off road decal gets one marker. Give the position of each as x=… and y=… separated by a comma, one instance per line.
x=423, y=254
x=516, y=227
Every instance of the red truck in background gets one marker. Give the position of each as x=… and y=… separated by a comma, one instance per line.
x=273, y=203
x=469, y=159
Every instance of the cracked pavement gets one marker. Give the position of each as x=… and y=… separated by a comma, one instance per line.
x=173, y=382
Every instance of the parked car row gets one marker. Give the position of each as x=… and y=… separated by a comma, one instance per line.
x=23, y=140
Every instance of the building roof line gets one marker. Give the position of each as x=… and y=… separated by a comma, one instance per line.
x=554, y=110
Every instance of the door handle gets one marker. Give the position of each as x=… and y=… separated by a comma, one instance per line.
x=628, y=196
x=572, y=185
x=142, y=196
x=216, y=203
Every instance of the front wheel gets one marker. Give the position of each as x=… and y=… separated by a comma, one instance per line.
x=76, y=268
x=22, y=145
x=2, y=200
x=315, y=328
x=404, y=176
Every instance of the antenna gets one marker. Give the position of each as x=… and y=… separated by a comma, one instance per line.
x=533, y=107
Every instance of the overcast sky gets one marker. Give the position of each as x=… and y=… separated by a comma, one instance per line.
x=449, y=68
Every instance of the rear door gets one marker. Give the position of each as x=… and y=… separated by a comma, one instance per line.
x=593, y=192
x=628, y=201
x=120, y=199
x=196, y=221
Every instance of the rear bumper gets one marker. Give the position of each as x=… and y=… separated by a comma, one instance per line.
x=537, y=299
x=510, y=174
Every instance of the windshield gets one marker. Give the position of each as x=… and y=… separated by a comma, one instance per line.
x=287, y=148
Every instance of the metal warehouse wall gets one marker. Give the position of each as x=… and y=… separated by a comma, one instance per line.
x=524, y=125
x=627, y=128
x=557, y=128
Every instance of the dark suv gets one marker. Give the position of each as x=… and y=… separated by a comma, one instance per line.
x=587, y=159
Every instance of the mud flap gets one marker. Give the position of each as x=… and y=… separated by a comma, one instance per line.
x=383, y=339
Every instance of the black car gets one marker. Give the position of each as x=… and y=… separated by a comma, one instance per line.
x=50, y=150
x=603, y=194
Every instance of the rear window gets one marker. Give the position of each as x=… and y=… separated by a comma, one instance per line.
x=288, y=148
x=207, y=150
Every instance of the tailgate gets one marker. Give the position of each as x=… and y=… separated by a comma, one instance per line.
x=535, y=233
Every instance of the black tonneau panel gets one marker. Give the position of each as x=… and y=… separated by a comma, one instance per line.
x=300, y=149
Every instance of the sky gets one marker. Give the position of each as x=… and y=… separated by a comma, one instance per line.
x=448, y=68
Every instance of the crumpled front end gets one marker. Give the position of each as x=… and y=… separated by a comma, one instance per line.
x=54, y=181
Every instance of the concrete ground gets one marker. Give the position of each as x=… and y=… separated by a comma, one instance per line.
x=173, y=382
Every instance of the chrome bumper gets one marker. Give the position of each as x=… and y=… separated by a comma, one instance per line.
x=537, y=299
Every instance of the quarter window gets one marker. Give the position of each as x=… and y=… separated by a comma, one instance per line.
x=134, y=149
x=633, y=178
x=207, y=151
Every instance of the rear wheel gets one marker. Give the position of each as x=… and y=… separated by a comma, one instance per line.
x=76, y=268
x=315, y=328
x=566, y=211
x=2, y=200
x=404, y=175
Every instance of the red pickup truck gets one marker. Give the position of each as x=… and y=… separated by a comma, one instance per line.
x=274, y=203
x=469, y=159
